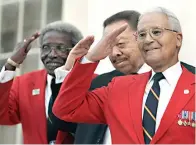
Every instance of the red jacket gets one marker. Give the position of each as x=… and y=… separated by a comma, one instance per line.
x=120, y=106
x=19, y=105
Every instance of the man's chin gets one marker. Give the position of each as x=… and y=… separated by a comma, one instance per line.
x=123, y=70
x=153, y=61
x=51, y=70
x=51, y=73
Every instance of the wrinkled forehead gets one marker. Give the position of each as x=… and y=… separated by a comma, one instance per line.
x=151, y=20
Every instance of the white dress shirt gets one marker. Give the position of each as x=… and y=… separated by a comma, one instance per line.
x=167, y=87
x=6, y=76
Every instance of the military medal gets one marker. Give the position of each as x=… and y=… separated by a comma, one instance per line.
x=187, y=118
x=193, y=114
x=180, y=122
x=180, y=119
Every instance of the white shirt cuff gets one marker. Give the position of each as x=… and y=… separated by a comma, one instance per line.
x=84, y=60
x=6, y=75
x=61, y=74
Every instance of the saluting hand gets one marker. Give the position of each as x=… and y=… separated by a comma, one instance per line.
x=105, y=45
x=21, y=51
x=79, y=50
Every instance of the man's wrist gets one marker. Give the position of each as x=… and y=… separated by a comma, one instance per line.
x=89, y=57
x=13, y=63
x=10, y=67
x=69, y=63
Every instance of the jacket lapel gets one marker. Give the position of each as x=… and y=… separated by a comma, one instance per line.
x=136, y=94
x=38, y=102
x=179, y=99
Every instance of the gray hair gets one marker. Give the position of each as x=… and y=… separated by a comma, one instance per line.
x=62, y=27
x=172, y=19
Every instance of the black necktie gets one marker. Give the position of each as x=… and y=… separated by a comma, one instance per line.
x=52, y=130
x=150, y=109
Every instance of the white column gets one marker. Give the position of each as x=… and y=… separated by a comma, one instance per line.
x=76, y=13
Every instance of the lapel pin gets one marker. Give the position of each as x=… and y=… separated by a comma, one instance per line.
x=35, y=92
x=186, y=91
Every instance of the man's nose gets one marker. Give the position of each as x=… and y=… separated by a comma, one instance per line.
x=148, y=39
x=116, y=51
x=52, y=52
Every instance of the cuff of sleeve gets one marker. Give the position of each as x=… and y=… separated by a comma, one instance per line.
x=84, y=60
x=61, y=74
x=6, y=75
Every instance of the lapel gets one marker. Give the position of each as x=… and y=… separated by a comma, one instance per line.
x=38, y=102
x=179, y=99
x=136, y=94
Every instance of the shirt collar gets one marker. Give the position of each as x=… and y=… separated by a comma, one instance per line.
x=172, y=74
x=49, y=79
x=144, y=68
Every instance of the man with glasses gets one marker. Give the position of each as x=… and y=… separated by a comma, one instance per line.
x=156, y=107
x=28, y=99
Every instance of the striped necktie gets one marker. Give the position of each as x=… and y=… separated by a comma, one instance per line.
x=150, y=109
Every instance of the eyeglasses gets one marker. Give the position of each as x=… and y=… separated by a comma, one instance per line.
x=155, y=33
x=59, y=48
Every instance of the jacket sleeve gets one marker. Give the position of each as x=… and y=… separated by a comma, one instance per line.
x=9, y=102
x=63, y=125
x=75, y=103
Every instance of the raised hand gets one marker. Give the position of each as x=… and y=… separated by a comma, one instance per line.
x=105, y=45
x=79, y=50
x=21, y=50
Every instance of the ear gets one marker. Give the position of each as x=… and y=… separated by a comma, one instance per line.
x=179, y=40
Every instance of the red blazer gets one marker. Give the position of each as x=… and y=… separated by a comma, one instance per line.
x=19, y=105
x=120, y=106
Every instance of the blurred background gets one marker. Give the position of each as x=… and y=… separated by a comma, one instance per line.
x=21, y=18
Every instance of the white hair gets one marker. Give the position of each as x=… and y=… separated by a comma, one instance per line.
x=172, y=19
x=62, y=27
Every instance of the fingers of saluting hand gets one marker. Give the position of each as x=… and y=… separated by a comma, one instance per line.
x=28, y=41
x=85, y=42
x=116, y=32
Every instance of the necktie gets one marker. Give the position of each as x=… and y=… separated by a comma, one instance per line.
x=52, y=130
x=150, y=109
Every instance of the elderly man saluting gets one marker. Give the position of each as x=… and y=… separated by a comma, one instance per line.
x=28, y=99
x=157, y=107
